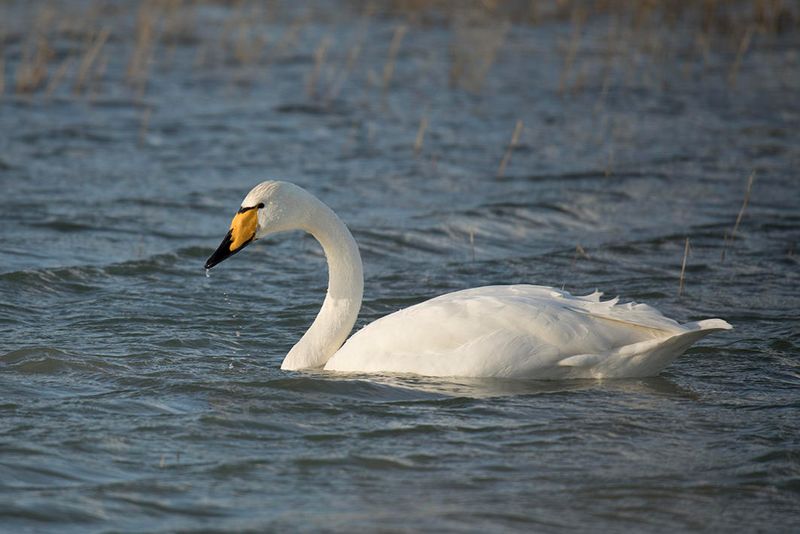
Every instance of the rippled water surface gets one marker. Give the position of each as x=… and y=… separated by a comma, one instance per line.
x=138, y=393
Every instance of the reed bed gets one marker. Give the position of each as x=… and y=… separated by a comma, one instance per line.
x=43, y=40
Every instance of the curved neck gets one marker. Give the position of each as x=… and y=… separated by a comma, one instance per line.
x=345, y=288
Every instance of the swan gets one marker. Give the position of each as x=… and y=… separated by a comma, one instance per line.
x=506, y=331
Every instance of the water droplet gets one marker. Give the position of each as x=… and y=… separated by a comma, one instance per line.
x=208, y=275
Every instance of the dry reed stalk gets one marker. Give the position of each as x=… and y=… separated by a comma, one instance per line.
x=169, y=37
x=139, y=64
x=32, y=71
x=609, y=170
x=180, y=21
x=580, y=252
x=201, y=55
x=249, y=42
x=579, y=15
x=423, y=125
x=96, y=79
x=291, y=35
x=319, y=59
x=501, y=170
x=144, y=123
x=32, y=68
x=394, y=47
x=744, y=44
x=58, y=75
x=88, y=60
x=683, y=267
x=730, y=237
x=339, y=81
x=352, y=55
x=477, y=39
x=231, y=22
x=611, y=52
x=472, y=243
x=703, y=46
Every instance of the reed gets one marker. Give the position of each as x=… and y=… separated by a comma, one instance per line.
x=730, y=236
x=32, y=69
x=609, y=170
x=579, y=16
x=96, y=77
x=353, y=54
x=639, y=42
x=291, y=35
x=478, y=35
x=744, y=44
x=144, y=44
x=580, y=253
x=58, y=76
x=319, y=60
x=344, y=73
x=420, y=139
x=472, y=243
x=683, y=267
x=394, y=47
x=144, y=123
x=88, y=60
x=501, y=170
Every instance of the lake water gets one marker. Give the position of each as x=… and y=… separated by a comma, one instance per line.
x=139, y=394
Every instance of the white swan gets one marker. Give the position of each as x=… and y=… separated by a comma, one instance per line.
x=519, y=331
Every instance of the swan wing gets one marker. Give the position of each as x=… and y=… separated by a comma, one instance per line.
x=521, y=331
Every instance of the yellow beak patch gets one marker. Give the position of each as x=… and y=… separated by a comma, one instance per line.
x=243, y=228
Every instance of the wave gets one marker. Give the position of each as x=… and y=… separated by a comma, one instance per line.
x=52, y=361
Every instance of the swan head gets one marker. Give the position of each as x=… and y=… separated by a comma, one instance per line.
x=268, y=208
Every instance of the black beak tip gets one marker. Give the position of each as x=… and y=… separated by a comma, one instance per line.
x=222, y=252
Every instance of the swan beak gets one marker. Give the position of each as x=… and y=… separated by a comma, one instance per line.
x=241, y=234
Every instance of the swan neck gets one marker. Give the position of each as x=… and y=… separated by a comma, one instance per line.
x=342, y=301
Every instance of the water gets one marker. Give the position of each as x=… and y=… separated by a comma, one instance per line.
x=139, y=394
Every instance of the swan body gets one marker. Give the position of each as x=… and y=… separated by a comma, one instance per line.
x=514, y=331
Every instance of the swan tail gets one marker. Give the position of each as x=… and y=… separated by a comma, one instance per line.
x=710, y=325
x=645, y=358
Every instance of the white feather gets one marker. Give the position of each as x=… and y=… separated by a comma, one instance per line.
x=520, y=331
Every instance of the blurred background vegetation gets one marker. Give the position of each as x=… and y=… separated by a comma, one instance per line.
x=97, y=49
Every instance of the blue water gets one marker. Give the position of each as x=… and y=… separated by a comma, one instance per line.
x=139, y=394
